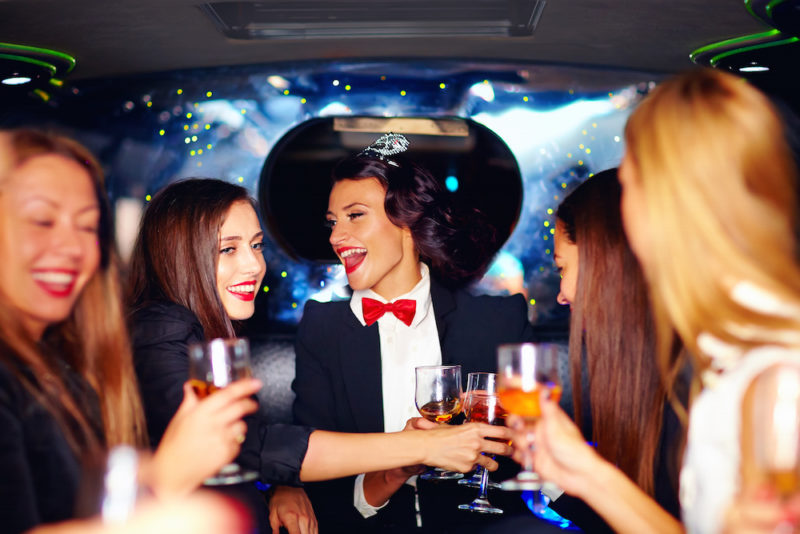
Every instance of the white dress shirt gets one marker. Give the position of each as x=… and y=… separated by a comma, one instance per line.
x=403, y=348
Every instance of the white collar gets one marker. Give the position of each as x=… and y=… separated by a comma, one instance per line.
x=420, y=293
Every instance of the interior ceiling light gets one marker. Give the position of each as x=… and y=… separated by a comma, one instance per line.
x=753, y=68
x=15, y=80
x=22, y=65
x=310, y=19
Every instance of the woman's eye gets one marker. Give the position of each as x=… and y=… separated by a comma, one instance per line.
x=258, y=246
x=354, y=215
x=330, y=223
x=44, y=223
x=228, y=250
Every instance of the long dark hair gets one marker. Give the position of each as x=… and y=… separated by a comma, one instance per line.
x=611, y=320
x=93, y=340
x=177, y=250
x=456, y=244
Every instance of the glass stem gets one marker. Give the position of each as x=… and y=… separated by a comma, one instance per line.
x=484, y=483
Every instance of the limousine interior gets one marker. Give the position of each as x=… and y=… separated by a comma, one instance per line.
x=510, y=102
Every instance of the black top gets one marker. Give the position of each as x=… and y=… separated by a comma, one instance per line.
x=161, y=333
x=39, y=473
x=338, y=387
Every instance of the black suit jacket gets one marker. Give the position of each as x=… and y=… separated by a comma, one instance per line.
x=338, y=387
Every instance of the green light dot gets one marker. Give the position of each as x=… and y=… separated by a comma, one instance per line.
x=541, y=269
x=187, y=140
x=545, y=238
x=563, y=185
x=442, y=85
x=549, y=211
x=284, y=274
x=347, y=87
x=192, y=153
x=588, y=150
x=402, y=93
x=149, y=104
x=303, y=101
x=547, y=223
x=208, y=126
x=180, y=91
x=294, y=305
x=580, y=162
x=241, y=179
x=208, y=94
x=194, y=138
x=525, y=98
x=161, y=132
x=286, y=91
x=552, y=231
x=208, y=146
x=533, y=302
x=243, y=111
x=591, y=174
x=185, y=127
x=266, y=289
x=547, y=251
x=147, y=198
x=189, y=115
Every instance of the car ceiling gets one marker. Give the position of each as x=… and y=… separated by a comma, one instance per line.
x=124, y=37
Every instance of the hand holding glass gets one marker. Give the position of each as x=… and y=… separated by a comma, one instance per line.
x=524, y=371
x=214, y=365
x=438, y=399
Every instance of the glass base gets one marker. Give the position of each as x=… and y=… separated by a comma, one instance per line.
x=481, y=506
x=230, y=474
x=525, y=480
x=440, y=474
x=475, y=482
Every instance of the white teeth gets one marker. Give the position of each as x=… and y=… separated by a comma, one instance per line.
x=349, y=252
x=247, y=288
x=50, y=277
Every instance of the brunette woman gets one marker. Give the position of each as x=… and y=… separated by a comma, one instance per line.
x=612, y=344
x=709, y=207
x=67, y=385
x=400, y=241
x=196, y=267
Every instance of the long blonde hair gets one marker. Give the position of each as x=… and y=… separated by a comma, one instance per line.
x=719, y=188
x=93, y=340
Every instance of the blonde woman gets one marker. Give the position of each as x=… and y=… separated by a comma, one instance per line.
x=709, y=207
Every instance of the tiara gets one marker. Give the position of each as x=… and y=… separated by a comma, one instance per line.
x=387, y=145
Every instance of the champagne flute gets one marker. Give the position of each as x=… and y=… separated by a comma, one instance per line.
x=774, y=410
x=214, y=365
x=438, y=399
x=484, y=383
x=524, y=371
x=482, y=405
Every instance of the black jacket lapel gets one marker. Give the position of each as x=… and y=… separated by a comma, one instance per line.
x=443, y=304
x=359, y=352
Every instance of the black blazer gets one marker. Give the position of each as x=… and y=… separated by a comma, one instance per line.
x=338, y=387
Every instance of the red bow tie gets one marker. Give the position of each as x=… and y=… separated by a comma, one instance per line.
x=403, y=309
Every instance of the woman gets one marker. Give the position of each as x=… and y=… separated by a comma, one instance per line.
x=399, y=240
x=615, y=351
x=67, y=386
x=709, y=206
x=196, y=267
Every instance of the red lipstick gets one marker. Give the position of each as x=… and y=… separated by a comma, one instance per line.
x=246, y=296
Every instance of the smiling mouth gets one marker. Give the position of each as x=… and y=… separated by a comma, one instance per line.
x=245, y=291
x=58, y=283
x=352, y=257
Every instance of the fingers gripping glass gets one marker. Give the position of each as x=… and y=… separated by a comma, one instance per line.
x=524, y=371
x=481, y=405
x=214, y=365
x=438, y=399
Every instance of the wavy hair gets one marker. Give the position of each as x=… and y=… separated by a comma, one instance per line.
x=93, y=340
x=457, y=245
x=719, y=189
x=611, y=321
x=177, y=250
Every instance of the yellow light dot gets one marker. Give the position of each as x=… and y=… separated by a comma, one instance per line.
x=610, y=94
x=208, y=126
x=147, y=198
x=525, y=98
x=199, y=163
x=192, y=153
x=303, y=100
x=161, y=132
x=591, y=174
x=541, y=269
x=549, y=211
x=286, y=91
x=584, y=132
x=580, y=162
x=533, y=302
x=442, y=85
x=189, y=115
x=402, y=93
x=185, y=126
x=581, y=146
x=208, y=146
x=194, y=138
x=572, y=91
x=347, y=87
x=241, y=179
x=545, y=238
x=243, y=111
x=486, y=82
x=594, y=125
x=294, y=305
x=547, y=251
x=266, y=289
x=196, y=105
x=284, y=274
x=569, y=154
x=149, y=104
x=180, y=91
x=588, y=150
x=552, y=231
x=187, y=140
x=208, y=94
x=195, y=126
x=547, y=223
x=563, y=185
x=199, y=151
